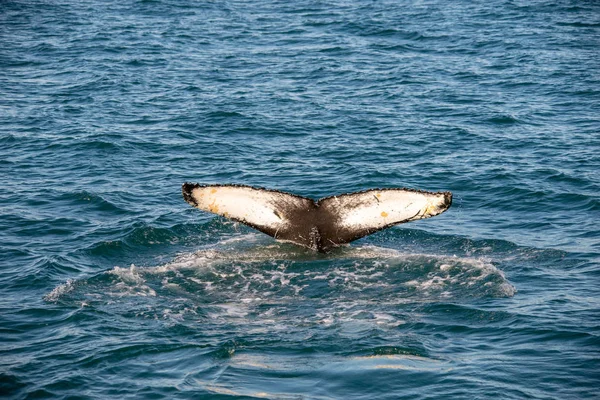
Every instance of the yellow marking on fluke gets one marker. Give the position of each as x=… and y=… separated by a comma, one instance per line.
x=384, y=214
x=430, y=208
x=213, y=191
x=213, y=207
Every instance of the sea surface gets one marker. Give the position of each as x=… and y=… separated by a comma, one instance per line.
x=111, y=286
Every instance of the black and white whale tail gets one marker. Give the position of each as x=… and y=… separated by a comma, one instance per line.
x=318, y=225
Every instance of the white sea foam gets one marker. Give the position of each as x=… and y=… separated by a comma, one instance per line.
x=60, y=290
x=356, y=290
x=131, y=282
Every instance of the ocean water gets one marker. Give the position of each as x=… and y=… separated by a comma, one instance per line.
x=111, y=286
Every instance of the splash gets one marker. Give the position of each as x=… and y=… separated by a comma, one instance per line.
x=266, y=289
x=59, y=291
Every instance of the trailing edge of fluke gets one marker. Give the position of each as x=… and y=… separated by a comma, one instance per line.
x=318, y=225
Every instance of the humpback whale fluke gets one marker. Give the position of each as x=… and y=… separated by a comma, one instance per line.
x=318, y=225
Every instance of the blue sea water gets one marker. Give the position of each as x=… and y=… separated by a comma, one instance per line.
x=111, y=286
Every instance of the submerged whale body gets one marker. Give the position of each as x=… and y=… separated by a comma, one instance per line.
x=318, y=225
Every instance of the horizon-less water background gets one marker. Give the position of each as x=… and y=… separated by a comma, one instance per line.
x=112, y=286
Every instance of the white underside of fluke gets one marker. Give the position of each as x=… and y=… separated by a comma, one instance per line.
x=245, y=204
x=376, y=209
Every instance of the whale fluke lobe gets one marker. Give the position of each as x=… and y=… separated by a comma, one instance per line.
x=318, y=225
x=281, y=215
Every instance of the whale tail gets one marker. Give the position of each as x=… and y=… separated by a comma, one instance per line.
x=318, y=225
